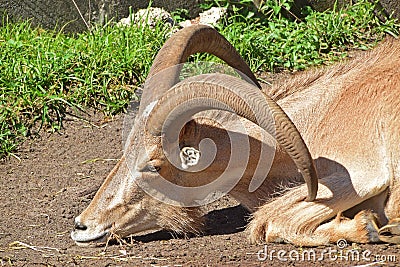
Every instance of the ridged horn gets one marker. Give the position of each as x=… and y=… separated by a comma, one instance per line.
x=178, y=48
x=224, y=92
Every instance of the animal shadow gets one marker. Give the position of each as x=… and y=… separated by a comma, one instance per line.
x=217, y=222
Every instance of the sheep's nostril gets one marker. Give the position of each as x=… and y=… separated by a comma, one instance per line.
x=79, y=226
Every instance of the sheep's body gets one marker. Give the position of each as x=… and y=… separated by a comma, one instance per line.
x=348, y=115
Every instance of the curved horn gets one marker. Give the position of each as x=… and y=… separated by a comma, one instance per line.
x=177, y=49
x=224, y=92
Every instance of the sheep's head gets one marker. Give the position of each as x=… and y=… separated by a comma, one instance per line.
x=121, y=205
x=160, y=179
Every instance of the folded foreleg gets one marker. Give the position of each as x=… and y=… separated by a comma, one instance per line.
x=289, y=218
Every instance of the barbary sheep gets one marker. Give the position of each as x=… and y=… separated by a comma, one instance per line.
x=336, y=128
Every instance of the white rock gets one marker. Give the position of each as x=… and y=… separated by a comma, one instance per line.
x=209, y=17
x=186, y=23
x=213, y=15
x=150, y=16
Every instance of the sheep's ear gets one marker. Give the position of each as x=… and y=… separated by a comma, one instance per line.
x=189, y=157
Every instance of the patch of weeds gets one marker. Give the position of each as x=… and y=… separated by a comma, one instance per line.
x=180, y=15
x=269, y=41
x=44, y=73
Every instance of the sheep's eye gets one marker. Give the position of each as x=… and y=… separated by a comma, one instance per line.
x=151, y=168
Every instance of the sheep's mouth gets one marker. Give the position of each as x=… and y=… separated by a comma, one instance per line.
x=94, y=242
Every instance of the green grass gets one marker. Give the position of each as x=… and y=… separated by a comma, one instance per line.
x=44, y=74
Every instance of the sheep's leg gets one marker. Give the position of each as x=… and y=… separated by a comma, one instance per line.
x=289, y=218
x=363, y=228
x=391, y=232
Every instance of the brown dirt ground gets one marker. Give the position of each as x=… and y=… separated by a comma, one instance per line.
x=58, y=174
